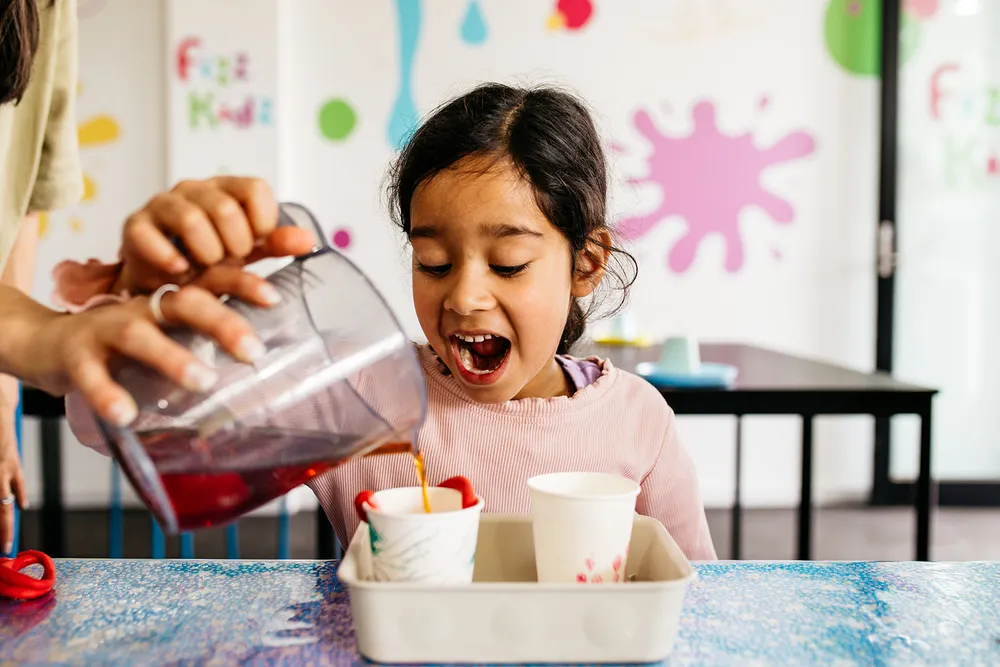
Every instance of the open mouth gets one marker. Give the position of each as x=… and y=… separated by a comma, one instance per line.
x=480, y=354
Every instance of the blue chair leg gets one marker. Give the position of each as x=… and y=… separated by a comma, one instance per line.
x=233, y=541
x=187, y=545
x=284, y=530
x=115, y=533
x=159, y=542
x=20, y=453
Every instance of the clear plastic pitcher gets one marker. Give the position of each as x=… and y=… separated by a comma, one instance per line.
x=340, y=379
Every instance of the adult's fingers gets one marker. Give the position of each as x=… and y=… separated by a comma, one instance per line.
x=142, y=340
x=181, y=218
x=19, y=488
x=130, y=330
x=285, y=242
x=6, y=516
x=143, y=238
x=256, y=198
x=226, y=214
x=239, y=283
x=86, y=368
x=198, y=309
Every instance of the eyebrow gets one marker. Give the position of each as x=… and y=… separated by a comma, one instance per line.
x=503, y=230
x=498, y=230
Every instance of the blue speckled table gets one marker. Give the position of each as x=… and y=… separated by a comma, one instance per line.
x=293, y=612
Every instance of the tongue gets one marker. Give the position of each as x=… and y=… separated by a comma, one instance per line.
x=489, y=347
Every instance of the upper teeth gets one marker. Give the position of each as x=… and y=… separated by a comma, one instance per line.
x=474, y=339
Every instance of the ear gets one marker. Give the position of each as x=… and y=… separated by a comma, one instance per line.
x=591, y=262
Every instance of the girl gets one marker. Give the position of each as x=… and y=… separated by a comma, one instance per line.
x=502, y=194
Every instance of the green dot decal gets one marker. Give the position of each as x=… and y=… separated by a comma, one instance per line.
x=853, y=34
x=337, y=119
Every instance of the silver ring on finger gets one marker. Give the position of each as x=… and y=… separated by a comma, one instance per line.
x=156, y=300
x=7, y=500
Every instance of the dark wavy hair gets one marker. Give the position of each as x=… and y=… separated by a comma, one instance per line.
x=19, y=35
x=550, y=137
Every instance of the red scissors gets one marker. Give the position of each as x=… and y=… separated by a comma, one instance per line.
x=20, y=586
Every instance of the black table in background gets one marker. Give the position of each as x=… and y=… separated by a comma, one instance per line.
x=774, y=383
x=769, y=383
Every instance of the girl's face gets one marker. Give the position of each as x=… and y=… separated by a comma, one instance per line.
x=492, y=281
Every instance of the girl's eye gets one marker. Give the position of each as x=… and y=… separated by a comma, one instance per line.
x=436, y=270
x=508, y=271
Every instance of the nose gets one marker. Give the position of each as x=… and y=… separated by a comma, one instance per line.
x=468, y=292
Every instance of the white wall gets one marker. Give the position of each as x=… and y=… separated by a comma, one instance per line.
x=805, y=286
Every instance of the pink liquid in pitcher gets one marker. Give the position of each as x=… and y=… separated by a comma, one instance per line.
x=210, y=485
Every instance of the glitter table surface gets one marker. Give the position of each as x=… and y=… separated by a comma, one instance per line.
x=133, y=612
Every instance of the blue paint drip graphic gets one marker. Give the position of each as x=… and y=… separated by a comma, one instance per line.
x=403, y=118
x=473, y=25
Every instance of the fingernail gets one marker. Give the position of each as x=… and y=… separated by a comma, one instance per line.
x=179, y=265
x=7, y=548
x=123, y=412
x=199, y=378
x=268, y=294
x=250, y=349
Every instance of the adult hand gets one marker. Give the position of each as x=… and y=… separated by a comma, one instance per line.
x=223, y=220
x=77, y=348
x=11, y=479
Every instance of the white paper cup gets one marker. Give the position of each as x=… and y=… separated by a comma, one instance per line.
x=582, y=525
x=407, y=544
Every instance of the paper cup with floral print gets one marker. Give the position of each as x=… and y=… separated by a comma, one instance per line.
x=582, y=526
x=408, y=544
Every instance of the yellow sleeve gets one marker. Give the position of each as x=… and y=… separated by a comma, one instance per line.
x=60, y=175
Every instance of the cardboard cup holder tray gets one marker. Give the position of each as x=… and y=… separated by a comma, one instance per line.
x=506, y=616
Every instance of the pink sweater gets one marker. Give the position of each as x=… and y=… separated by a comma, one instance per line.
x=619, y=424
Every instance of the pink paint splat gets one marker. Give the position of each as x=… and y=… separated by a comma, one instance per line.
x=708, y=178
x=993, y=166
x=776, y=253
x=763, y=102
